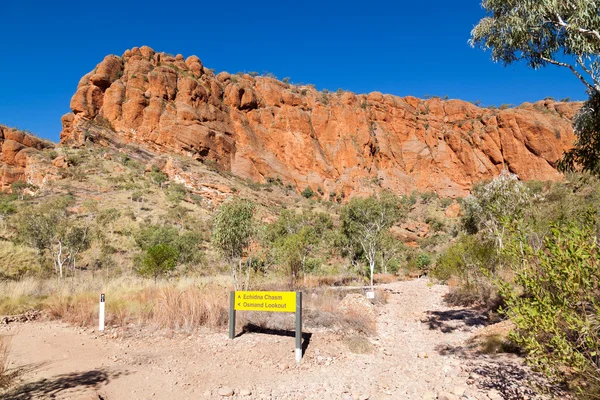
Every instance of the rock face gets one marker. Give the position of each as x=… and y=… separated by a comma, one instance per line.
x=341, y=143
x=20, y=159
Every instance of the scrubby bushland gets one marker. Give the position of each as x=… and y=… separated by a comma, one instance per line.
x=299, y=241
x=554, y=300
x=539, y=261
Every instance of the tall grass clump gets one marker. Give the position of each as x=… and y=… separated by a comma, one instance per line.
x=5, y=376
x=184, y=304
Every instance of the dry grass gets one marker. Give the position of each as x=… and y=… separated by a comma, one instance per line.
x=384, y=278
x=185, y=304
x=5, y=376
x=182, y=305
x=494, y=339
x=321, y=310
x=358, y=344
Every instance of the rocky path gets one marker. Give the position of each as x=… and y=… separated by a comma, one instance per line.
x=417, y=353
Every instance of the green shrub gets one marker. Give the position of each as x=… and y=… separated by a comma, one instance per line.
x=468, y=259
x=17, y=261
x=446, y=202
x=176, y=192
x=158, y=176
x=157, y=261
x=307, y=192
x=555, y=303
x=423, y=261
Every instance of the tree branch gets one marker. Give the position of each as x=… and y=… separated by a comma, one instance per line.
x=586, y=69
x=591, y=32
x=569, y=66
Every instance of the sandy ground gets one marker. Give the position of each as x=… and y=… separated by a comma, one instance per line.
x=417, y=353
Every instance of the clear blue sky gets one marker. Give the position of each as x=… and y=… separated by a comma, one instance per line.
x=399, y=47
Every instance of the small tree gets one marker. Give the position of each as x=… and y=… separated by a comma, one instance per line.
x=364, y=220
x=158, y=260
x=296, y=237
x=232, y=232
x=46, y=228
x=185, y=242
x=493, y=205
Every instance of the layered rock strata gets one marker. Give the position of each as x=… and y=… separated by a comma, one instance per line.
x=337, y=143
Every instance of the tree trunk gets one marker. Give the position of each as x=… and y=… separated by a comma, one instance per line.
x=372, y=267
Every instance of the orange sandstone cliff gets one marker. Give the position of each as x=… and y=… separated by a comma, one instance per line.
x=259, y=128
x=20, y=159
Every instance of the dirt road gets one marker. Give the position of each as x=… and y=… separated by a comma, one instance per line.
x=417, y=353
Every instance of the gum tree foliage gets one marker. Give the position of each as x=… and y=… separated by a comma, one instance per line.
x=494, y=205
x=233, y=230
x=364, y=222
x=295, y=238
x=158, y=260
x=565, y=33
x=389, y=253
x=47, y=228
x=184, y=242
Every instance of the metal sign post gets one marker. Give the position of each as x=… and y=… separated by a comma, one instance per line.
x=271, y=302
x=231, y=315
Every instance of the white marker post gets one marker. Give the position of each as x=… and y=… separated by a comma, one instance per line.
x=298, y=327
x=101, y=314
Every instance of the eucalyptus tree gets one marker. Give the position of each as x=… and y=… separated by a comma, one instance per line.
x=366, y=220
x=234, y=227
x=564, y=33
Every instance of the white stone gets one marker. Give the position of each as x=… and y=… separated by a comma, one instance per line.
x=225, y=391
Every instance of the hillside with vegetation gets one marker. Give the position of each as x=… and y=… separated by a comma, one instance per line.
x=173, y=185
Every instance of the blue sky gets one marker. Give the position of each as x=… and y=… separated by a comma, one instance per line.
x=398, y=47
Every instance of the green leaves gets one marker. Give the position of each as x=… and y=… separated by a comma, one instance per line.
x=158, y=260
x=555, y=301
x=585, y=155
x=556, y=32
x=294, y=238
x=186, y=243
x=364, y=220
x=233, y=228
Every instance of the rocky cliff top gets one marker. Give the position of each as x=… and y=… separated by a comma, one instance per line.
x=340, y=144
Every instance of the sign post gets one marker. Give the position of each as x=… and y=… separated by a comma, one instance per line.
x=231, y=315
x=271, y=302
x=101, y=313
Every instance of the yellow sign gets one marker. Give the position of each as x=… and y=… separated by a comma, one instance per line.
x=265, y=301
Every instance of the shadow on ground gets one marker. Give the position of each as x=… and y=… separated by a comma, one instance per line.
x=51, y=387
x=451, y=320
x=277, y=332
x=514, y=380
